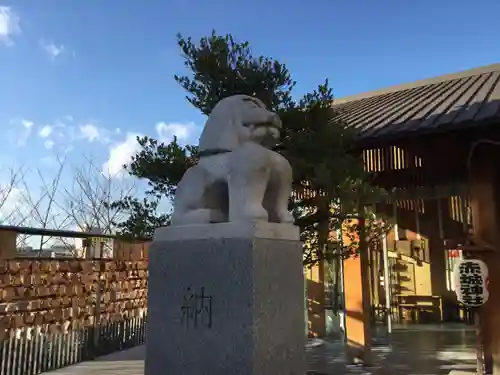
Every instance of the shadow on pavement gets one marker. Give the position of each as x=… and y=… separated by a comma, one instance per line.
x=405, y=353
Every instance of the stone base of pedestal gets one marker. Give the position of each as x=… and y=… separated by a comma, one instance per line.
x=226, y=299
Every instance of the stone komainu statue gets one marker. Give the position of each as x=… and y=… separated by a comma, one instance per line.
x=238, y=178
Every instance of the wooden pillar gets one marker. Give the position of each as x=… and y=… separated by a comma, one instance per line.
x=316, y=300
x=357, y=305
x=484, y=189
x=437, y=252
x=7, y=244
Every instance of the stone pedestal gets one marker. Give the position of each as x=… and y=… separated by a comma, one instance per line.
x=226, y=299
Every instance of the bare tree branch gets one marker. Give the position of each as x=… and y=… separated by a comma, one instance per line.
x=41, y=209
x=88, y=201
x=85, y=204
x=9, y=210
x=10, y=202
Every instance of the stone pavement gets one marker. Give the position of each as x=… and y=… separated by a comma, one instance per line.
x=408, y=352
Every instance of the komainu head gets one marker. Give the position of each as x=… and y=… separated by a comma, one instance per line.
x=238, y=119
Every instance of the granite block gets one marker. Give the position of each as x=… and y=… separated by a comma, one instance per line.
x=225, y=306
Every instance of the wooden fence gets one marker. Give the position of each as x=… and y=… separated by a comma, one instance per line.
x=54, y=313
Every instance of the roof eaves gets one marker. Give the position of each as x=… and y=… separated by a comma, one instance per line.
x=422, y=82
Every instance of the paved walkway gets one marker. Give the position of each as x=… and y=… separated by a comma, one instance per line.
x=409, y=352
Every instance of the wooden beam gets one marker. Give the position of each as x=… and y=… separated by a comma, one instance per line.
x=425, y=192
x=419, y=176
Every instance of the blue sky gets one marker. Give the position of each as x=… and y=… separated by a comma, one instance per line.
x=84, y=77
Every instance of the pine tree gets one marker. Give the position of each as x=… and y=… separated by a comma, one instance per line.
x=330, y=184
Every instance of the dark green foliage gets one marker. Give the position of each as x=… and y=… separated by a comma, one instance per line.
x=220, y=67
x=142, y=219
x=330, y=184
x=162, y=165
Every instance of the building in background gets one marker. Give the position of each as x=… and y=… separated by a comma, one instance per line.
x=417, y=140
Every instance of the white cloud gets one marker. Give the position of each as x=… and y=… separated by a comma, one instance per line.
x=27, y=124
x=121, y=154
x=69, y=148
x=45, y=131
x=25, y=132
x=48, y=144
x=52, y=49
x=9, y=25
x=183, y=132
x=51, y=134
x=63, y=132
x=89, y=132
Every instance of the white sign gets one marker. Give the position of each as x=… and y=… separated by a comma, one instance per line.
x=470, y=278
x=100, y=247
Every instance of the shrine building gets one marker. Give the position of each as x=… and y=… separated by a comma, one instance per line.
x=434, y=146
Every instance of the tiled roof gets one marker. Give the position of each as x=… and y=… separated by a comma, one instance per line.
x=442, y=103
